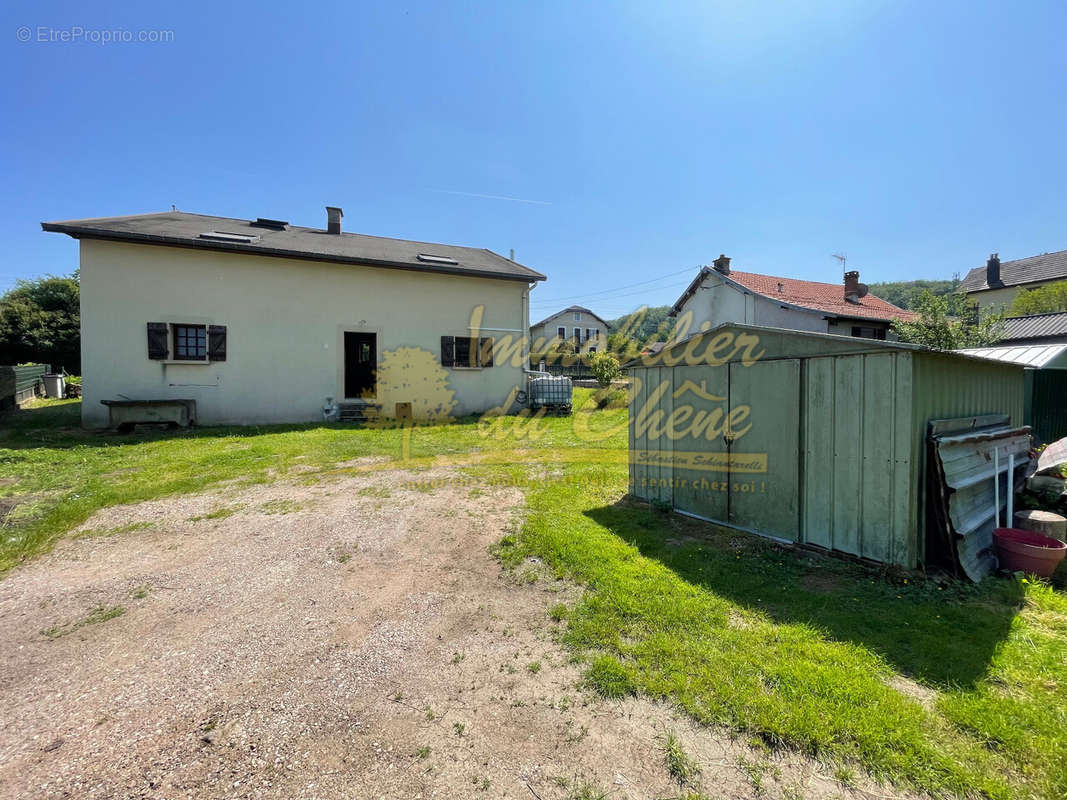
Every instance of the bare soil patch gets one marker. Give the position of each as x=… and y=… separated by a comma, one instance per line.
x=353, y=639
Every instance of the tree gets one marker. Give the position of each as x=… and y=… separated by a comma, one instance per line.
x=40, y=323
x=605, y=367
x=1041, y=300
x=906, y=294
x=949, y=322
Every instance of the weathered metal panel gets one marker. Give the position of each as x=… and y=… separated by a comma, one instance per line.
x=848, y=453
x=817, y=479
x=703, y=492
x=904, y=546
x=767, y=503
x=876, y=485
x=969, y=463
x=947, y=387
x=857, y=456
x=1047, y=403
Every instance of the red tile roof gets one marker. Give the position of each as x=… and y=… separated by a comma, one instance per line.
x=828, y=297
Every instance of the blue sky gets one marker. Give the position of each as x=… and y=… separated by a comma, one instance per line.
x=916, y=137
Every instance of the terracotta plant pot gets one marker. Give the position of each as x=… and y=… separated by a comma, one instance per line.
x=1026, y=551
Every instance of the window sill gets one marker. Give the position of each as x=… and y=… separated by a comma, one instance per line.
x=186, y=362
x=468, y=369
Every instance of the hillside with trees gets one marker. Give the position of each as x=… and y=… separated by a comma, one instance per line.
x=648, y=324
x=906, y=294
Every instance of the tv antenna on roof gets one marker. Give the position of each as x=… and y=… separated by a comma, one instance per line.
x=843, y=258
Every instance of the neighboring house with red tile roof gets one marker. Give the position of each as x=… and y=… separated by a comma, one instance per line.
x=997, y=283
x=719, y=295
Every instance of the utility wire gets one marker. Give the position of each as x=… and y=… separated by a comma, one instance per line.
x=609, y=291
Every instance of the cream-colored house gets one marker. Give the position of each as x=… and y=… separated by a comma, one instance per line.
x=576, y=324
x=263, y=322
x=994, y=286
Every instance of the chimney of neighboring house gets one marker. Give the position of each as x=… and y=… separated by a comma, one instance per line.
x=854, y=290
x=722, y=264
x=992, y=270
x=333, y=219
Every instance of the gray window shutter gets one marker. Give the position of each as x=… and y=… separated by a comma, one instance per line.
x=485, y=351
x=216, y=342
x=448, y=351
x=158, y=344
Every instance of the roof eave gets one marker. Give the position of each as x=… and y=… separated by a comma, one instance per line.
x=77, y=232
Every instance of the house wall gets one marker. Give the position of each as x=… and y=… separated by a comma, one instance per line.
x=547, y=330
x=995, y=299
x=717, y=302
x=285, y=321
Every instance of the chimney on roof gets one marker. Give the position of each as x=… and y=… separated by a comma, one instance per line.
x=722, y=264
x=333, y=219
x=854, y=290
x=992, y=270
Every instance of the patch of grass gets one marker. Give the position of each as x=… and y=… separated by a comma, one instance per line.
x=533, y=667
x=141, y=592
x=481, y=783
x=680, y=765
x=558, y=612
x=217, y=513
x=374, y=491
x=117, y=530
x=423, y=752
x=610, y=679
x=281, y=507
x=459, y=728
x=94, y=617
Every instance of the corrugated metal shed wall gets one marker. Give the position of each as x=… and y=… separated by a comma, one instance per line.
x=946, y=387
x=1046, y=403
x=858, y=489
x=864, y=411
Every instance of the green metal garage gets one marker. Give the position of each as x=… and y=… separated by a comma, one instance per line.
x=804, y=437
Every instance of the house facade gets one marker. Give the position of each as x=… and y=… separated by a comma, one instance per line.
x=263, y=322
x=576, y=324
x=720, y=295
x=994, y=286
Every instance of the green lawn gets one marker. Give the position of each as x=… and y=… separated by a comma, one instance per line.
x=953, y=689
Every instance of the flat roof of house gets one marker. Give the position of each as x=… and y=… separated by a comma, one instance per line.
x=1036, y=356
x=1045, y=267
x=824, y=298
x=184, y=229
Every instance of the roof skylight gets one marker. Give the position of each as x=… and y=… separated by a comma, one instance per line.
x=223, y=236
x=432, y=259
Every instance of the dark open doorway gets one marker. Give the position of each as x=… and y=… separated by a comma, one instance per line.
x=361, y=360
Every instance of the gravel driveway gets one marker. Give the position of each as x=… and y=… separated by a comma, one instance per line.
x=348, y=639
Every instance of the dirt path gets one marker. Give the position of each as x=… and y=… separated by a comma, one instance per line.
x=352, y=639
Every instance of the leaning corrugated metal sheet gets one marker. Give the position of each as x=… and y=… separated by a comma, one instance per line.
x=832, y=453
x=964, y=468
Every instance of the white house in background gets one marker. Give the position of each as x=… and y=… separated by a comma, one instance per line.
x=579, y=325
x=720, y=295
x=260, y=321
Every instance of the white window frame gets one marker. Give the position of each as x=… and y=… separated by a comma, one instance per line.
x=577, y=316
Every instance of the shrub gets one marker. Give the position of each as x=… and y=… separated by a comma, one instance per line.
x=605, y=367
